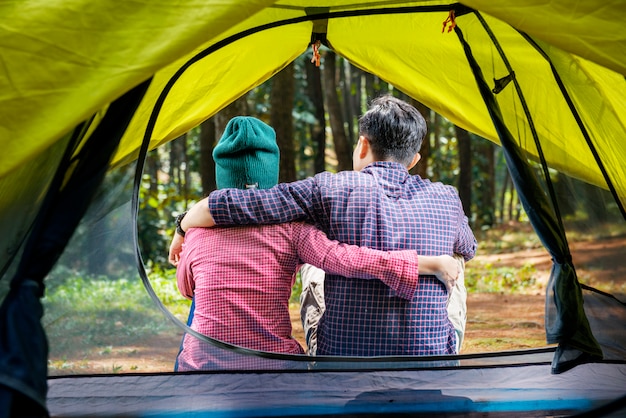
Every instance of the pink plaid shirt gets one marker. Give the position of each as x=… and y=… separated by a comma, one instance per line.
x=241, y=278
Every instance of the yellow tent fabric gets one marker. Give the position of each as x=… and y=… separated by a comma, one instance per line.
x=63, y=61
x=592, y=30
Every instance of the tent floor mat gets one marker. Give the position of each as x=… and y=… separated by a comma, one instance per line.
x=503, y=391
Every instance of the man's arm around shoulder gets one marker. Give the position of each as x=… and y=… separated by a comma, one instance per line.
x=198, y=216
x=285, y=202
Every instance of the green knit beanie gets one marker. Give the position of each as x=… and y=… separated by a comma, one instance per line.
x=246, y=155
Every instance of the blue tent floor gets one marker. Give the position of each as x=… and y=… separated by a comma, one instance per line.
x=516, y=390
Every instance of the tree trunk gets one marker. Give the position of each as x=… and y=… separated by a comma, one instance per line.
x=186, y=171
x=421, y=169
x=370, y=87
x=237, y=108
x=488, y=192
x=343, y=149
x=348, y=99
x=465, y=170
x=281, y=106
x=505, y=185
x=512, y=199
x=375, y=86
x=358, y=79
x=178, y=157
x=318, y=129
x=436, y=147
x=207, y=165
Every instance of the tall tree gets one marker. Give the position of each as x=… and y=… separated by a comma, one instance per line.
x=318, y=128
x=281, y=106
x=348, y=98
x=237, y=108
x=151, y=168
x=178, y=167
x=343, y=148
x=421, y=168
x=360, y=96
x=375, y=86
x=210, y=131
x=506, y=184
x=148, y=228
x=489, y=192
x=206, y=164
x=465, y=170
x=435, y=146
x=513, y=205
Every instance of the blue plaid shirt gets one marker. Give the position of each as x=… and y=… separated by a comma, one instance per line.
x=381, y=207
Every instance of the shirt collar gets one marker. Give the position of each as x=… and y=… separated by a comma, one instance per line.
x=384, y=166
x=390, y=174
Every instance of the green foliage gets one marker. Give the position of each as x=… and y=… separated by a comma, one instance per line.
x=83, y=312
x=489, y=344
x=296, y=290
x=103, y=240
x=483, y=204
x=488, y=278
x=444, y=165
x=507, y=239
x=163, y=281
x=150, y=225
x=155, y=221
x=520, y=238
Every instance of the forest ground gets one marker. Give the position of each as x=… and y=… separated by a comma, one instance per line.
x=496, y=320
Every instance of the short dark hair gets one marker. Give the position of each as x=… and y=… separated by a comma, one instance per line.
x=394, y=128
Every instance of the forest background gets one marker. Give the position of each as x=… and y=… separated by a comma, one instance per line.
x=315, y=112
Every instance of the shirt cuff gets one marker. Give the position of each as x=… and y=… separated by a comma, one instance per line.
x=406, y=286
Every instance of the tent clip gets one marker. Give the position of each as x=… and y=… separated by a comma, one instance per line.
x=316, y=52
x=501, y=83
x=449, y=19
